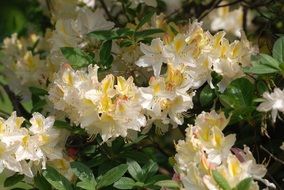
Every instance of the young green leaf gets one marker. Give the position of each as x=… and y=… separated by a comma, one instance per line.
x=154, y=179
x=112, y=176
x=77, y=58
x=220, y=180
x=124, y=183
x=84, y=174
x=168, y=184
x=38, y=91
x=244, y=184
x=41, y=183
x=239, y=93
x=82, y=171
x=135, y=170
x=278, y=50
x=207, y=96
x=149, y=170
x=14, y=179
x=103, y=35
x=145, y=19
x=57, y=180
x=105, y=54
x=264, y=64
x=144, y=33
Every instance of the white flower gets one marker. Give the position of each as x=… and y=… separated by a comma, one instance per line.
x=99, y=107
x=71, y=32
x=282, y=146
x=89, y=21
x=154, y=56
x=166, y=98
x=206, y=149
x=179, y=51
x=231, y=21
x=28, y=147
x=22, y=68
x=7, y=160
x=89, y=3
x=273, y=102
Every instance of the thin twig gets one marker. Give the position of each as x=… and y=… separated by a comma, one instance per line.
x=107, y=12
x=271, y=155
x=18, y=107
x=211, y=9
x=229, y=4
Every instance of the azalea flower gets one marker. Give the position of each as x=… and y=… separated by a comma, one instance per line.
x=29, y=147
x=100, y=107
x=273, y=102
x=166, y=98
x=206, y=149
x=154, y=56
x=19, y=62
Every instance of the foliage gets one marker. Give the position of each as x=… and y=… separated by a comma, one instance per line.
x=131, y=94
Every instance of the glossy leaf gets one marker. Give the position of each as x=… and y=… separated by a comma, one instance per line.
x=57, y=180
x=112, y=176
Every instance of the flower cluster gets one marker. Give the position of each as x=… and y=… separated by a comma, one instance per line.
x=229, y=20
x=206, y=150
x=26, y=149
x=105, y=70
x=21, y=57
x=71, y=32
x=199, y=53
x=101, y=107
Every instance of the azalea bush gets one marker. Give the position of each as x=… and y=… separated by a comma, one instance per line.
x=142, y=94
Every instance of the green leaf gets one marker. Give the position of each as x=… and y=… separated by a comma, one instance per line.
x=239, y=93
x=136, y=155
x=105, y=54
x=220, y=180
x=105, y=50
x=244, y=184
x=38, y=105
x=82, y=171
x=38, y=91
x=135, y=170
x=12, y=19
x=106, y=35
x=168, y=184
x=103, y=35
x=76, y=57
x=84, y=174
x=124, y=183
x=149, y=32
x=207, y=96
x=145, y=19
x=62, y=124
x=261, y=87
x=57, y=180
x=264, y=64
x=112, y=176
x=14, y=179
x=241, y=113
x=41, y=183
x=149, y=170
x=152, y=180
x=87, y=185
x=278, y=50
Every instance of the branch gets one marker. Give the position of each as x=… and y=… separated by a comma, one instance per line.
x=229, y=4
x=107, y=12
x=17, y=106
x=211, y=9
x=271, y=155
